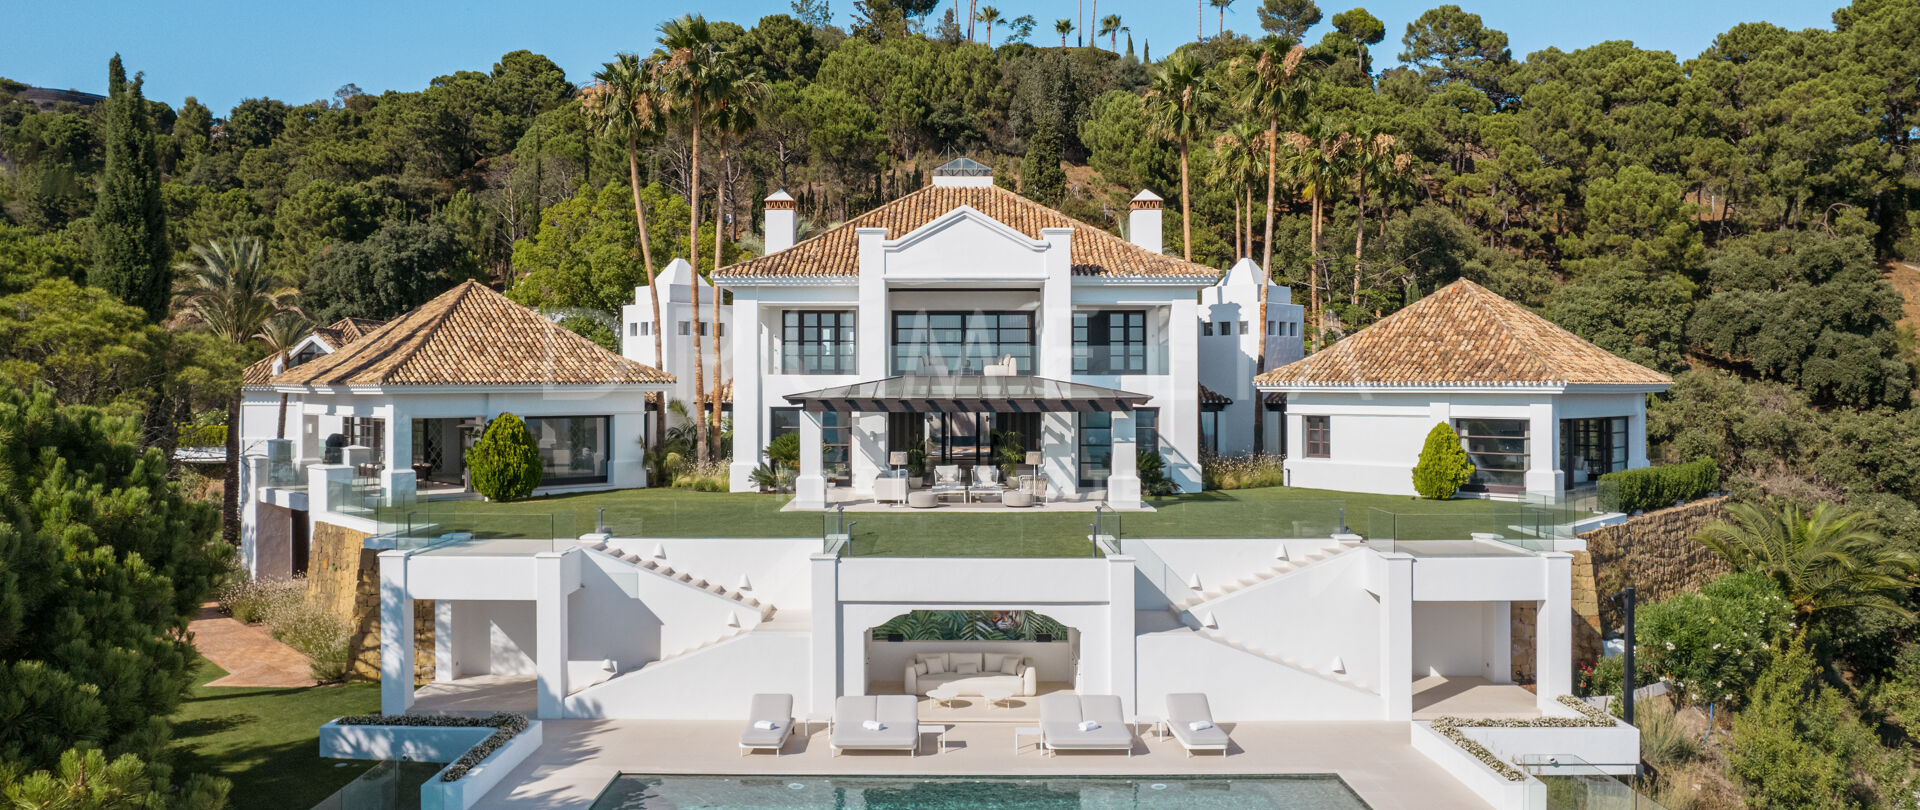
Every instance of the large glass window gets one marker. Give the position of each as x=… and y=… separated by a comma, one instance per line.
x=1590, y=448
x=1316, y=436
x=366, y=432
x=835, y=438
x=1498, y=449
x=1146, y=429
x=1210, y=432
x=961, y=343
x=573, y=449
x=1096, y=448
x=1110, y=342
x=813, y=342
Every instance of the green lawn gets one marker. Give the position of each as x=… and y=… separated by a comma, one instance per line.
x=1268, y=512
x=267, y=741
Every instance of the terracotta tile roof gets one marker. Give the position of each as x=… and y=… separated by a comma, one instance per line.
x=337, y=334
x=1209, y=396
x=1462, y=334
x=471, y=335
x=1095, y=252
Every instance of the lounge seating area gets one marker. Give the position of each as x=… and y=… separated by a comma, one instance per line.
x=875, y=723
x=971, y=673
x=1084, y=723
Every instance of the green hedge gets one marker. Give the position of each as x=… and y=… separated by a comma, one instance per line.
x=1656, y=487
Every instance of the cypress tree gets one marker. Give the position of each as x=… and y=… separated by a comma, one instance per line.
x=1041, y=178
x=131, y=257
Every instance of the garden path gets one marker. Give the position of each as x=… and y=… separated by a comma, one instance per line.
x=250, y=655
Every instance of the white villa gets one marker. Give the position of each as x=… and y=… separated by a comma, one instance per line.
x=1539, y=410
x=940, y=330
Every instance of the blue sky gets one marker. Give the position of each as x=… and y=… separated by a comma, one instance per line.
x=225, y=50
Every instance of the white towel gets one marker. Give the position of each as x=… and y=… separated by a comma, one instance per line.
x=1200, y=725
x=872, y=725
x=765, y=725
x=1088, y=725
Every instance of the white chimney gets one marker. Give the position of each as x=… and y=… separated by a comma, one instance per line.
x=1143, y=221
x=779, y=226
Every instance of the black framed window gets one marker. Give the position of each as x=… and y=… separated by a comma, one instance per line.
x=817, y=342
x=836, y=438
x=1210, y=432
x=1110, y=342
x=366, y=432
x=961, y=343
x=1590, y=448
x=1498, y=449
x=1096, y=448
x=573, y=449
x=1146, y=429
x=1316, y=436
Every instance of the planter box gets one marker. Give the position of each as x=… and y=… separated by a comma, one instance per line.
x=434, y=744
x=1492, y=788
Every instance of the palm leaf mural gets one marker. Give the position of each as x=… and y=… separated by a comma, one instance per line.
x=971, y=625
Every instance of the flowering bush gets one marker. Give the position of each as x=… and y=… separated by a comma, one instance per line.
x=1242, y=472
x=250, y=601
x=325, y=638
x=1713, y=644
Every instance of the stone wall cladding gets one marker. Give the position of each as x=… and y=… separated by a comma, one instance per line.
x=343, y=577
x=1656, y=553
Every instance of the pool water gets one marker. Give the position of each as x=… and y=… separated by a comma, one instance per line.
x=1306, y=792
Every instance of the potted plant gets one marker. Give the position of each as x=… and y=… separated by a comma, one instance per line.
x=1012, y=451
x=917, y=467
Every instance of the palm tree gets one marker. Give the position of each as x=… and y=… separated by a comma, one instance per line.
x=1111, y=28
x=734, y=104
x=1236, y=165
x=281, y=333
x=1318, y=162
x=1064, y=27
x=990, y=15
x=1222, y=6
x=624, y=103
x=688, y=68
x=1829, y=560
x=1199, y=20
x=1374, y=157
x=231, y=294
x=1275, y=90
x=1180, y=99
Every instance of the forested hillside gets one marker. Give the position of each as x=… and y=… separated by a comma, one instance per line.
x=1728, y=217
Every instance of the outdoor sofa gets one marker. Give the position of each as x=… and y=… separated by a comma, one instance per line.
x=897, y=715
x=970, y=673
x=1065, y=719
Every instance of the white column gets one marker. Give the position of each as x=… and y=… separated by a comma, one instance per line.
x=1543, y=438
x=1553, y=632
x=445, y=649
x=1120, y=624
x=749, y=415
x=326, y=484
x=1055, y=358
x=1060, y=447
x=1637, y=434
x=550, y=633
x=825, y=683
x=871, y=333
x=253, y=479
x=396, y=481
x=1123, y=484
x=396, y=634
x=1395, y=589
x=1497, y=621
x=810, y=487
x=1180, y=410
x=868, y=449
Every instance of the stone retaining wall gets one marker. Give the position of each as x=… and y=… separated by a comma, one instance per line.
x=1655, y=553
x=343, y=577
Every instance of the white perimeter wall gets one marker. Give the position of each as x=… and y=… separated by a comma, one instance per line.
x=716, y=683
x=1458, y=639
x=1241, y=687
x=485, y=637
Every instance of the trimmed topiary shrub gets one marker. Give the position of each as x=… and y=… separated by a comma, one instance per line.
x=1658, y=487
x=1443, y=467
x=505, y=462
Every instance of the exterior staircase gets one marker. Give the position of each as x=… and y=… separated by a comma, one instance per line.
x=660, y=568
x=1280, y=568
x=1335, y=677
x=1189, y=614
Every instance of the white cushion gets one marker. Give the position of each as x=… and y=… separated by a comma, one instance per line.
x=966, y=668
x=1200, y=725
x=1088, y=725
x=936, y=666
x=1010, y=666
x=954, y=659
x=872, y=725
x=764, y=725
x=990, y=662
x=920, y=668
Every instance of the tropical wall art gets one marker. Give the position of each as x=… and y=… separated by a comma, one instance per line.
x=971, y=625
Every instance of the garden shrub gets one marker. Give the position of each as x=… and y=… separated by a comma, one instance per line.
x=1713, y=643
x=1151, y=467
x=1658, y=487
x=250, y=601
x=324, y=637
x=1242, y=471
x=784, y=450
x=505, y=462
x=1443, y=468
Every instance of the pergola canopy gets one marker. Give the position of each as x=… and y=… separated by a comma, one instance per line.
x=965, y=394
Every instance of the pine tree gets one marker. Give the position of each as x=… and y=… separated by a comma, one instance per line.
x=131, y=257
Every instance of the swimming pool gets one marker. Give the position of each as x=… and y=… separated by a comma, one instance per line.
x=1305, y=792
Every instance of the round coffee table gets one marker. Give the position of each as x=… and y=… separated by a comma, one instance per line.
x=943, y=694
x=996, y=695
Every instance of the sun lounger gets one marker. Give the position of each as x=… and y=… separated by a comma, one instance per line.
x=897, y=715
x=1063, y=715
x=769, y=723
x=1186, y=709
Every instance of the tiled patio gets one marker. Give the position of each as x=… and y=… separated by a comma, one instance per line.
x=580, y=756
x=838, y=497
x=1436, y=696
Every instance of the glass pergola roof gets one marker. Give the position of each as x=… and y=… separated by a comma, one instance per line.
x=963, y=167
x=958, y=394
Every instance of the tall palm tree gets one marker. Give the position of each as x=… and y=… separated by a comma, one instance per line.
x=1064, y=27
x=1375, y=156
x=624, y=103
x=281, y=333
x=1829, y=560
x=990, y=15
x=688, y=67
x=1199, y=20
x=1180, y=99
x=1237, y=165
x=1318, y=162
x=1222, y=6
x=734, y=104
x=971, y=16
x=1275, y=90
x=230, y=293
x=1111, y=28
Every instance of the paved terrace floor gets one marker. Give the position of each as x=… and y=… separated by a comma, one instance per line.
x=579, y=757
